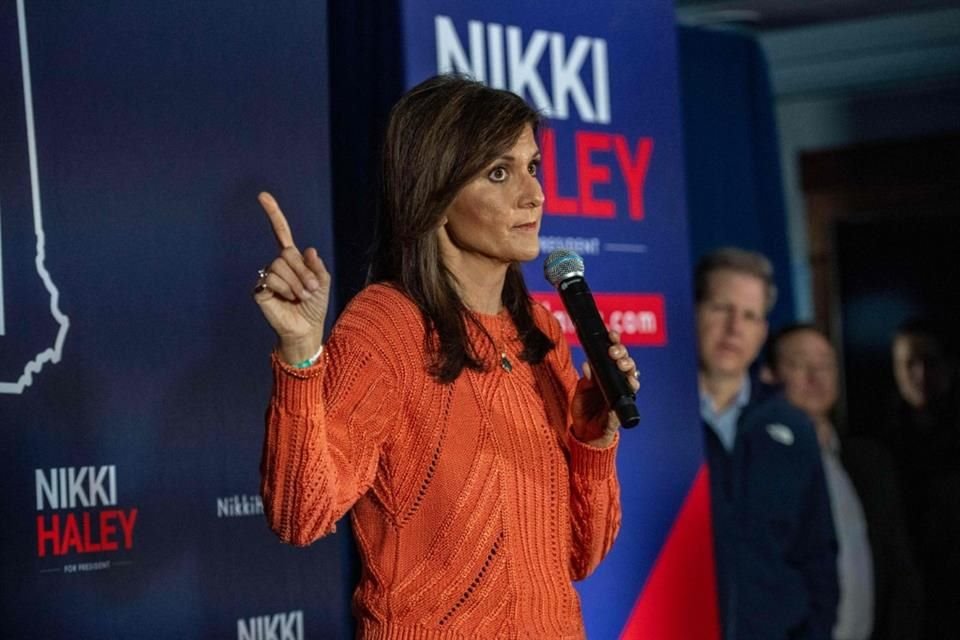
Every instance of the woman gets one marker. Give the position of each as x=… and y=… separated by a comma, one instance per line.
x=443, y=411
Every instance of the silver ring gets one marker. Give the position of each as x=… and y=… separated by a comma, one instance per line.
x=261, y=281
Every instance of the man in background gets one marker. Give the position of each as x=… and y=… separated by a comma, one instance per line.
x=879, y=584
x=773, y=532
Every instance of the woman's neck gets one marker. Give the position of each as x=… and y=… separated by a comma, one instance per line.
x=487, y=300
x=481, y=290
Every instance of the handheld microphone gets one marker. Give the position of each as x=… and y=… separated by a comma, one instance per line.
x=564, y=270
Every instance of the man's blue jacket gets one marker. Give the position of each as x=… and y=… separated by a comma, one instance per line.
x=776, y=551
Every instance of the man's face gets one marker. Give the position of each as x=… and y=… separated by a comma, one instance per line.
x=731, y=323
x=919, y=369
x=807, y=368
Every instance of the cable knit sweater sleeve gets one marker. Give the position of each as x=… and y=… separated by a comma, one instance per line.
x=594, y=505
x=326, y=426
x=594, y=489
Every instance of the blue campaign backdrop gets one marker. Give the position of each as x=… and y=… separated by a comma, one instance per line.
x=134, y=138
x=133, y=364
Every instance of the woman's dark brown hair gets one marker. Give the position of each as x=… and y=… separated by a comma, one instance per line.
x=440, y=135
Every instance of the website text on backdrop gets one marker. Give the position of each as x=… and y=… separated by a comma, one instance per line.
x=443, y=411
x=773, y=532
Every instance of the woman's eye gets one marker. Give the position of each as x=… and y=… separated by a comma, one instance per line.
x=533, y=168
x=499, y=174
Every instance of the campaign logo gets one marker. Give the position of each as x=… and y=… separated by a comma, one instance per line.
x=602, y=160
x=277, y=626
x=237, y=506
x=24, y=242
x=79, y=515
x=638, y=318
x=498, y=56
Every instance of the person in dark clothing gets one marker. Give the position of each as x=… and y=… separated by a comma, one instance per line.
x=773, y=531
x=923, y=432
x=880, y=588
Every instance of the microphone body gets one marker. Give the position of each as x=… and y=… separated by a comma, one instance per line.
x=564, y=270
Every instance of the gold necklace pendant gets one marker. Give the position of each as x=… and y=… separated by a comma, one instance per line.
x=505, y=363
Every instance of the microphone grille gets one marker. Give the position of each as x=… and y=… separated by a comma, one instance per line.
x=562, y=264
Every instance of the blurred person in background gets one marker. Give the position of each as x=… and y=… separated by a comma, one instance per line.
x=880, y=591
x=773, y=533
x=922, y=431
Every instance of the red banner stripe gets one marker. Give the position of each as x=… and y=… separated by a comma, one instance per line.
x=679, y=601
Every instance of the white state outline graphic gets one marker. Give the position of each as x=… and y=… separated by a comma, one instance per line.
x=54, y=353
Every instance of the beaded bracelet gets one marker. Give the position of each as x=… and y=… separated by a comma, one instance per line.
x=309, y=362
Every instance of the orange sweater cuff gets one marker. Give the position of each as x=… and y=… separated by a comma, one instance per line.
x=591, y=462
x=297, y=391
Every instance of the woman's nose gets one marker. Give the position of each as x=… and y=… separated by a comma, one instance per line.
x=533, y=192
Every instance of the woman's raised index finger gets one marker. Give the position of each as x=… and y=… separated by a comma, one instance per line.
x=281, y=229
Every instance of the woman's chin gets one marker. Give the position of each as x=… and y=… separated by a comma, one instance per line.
x=529, y=254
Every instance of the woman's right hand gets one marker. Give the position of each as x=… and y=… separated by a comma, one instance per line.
x=295, y=292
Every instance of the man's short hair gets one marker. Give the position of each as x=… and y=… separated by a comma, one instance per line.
x=750, y=263
x=773, y=345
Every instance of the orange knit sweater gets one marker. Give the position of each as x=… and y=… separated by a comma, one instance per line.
x=472, y=505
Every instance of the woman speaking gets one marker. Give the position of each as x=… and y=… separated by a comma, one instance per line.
x=443, y=411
